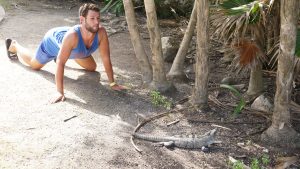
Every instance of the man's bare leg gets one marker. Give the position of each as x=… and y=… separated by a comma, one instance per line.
x=25, y=55
x=87, y=63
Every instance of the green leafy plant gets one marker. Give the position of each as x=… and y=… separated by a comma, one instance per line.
x=265, y=159
x=242, y=102
x=116, y=6
x=158, y=100
x=255, y=164
x=237, y=165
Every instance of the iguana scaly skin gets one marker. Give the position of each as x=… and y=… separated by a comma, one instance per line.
x=189, y=143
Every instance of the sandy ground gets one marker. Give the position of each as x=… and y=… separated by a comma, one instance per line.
x=33, y=133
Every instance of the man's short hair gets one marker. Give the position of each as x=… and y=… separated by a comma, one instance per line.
x=83, y=10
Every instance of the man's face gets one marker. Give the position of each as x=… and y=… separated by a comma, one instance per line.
x=92, y=21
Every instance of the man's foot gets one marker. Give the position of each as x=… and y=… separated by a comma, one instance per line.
x=11, y=49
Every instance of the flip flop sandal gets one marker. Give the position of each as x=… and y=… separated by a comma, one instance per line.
x=10, y=55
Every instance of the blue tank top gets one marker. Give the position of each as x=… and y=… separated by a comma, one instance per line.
x=53, y=40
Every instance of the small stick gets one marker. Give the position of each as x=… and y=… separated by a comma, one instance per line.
x=69, y=118
x=225, y=122
x=173, y=122
x=214, y=125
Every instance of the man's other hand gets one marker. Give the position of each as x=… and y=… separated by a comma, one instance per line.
x=58, y=98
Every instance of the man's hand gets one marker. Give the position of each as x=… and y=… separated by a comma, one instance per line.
x=118, y=87
x=59, y=98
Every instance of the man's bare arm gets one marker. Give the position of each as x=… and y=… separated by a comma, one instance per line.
x=63, y=55
x=105, y=56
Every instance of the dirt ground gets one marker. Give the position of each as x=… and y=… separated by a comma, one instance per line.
x=92, y=128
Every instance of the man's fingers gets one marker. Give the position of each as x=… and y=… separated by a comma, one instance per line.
x=63, y=98
x=59, y=99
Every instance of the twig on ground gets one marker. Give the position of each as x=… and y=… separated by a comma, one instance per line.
x=173, y=122
x=185, y=99
x=69, y=118
x=113, y=33
x=216, y=101
x=226, y=128
x=225, y=122
x=254, y=133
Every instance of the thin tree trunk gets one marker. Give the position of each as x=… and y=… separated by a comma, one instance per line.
x=281, y=132
x=139, y=50
x=256, y=85
x=200, y=93
x=176, y=71
x=256, y=81
x=159, y=82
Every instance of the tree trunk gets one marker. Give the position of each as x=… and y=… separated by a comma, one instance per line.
x=256, y=85
x=159, y=81
x=256, y=81
x=281, y=132
x=139, y=50
x=200, y=93
x=176, y=71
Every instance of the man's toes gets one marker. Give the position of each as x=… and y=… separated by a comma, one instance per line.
x=12, y=47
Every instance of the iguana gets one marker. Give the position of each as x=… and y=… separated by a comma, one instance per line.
x=182, y=142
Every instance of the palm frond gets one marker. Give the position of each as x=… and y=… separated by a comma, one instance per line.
x=242, y=102
x=274, y=52
x=233, y=18
x=116, y=6
x=248, y=52
x=250, y=8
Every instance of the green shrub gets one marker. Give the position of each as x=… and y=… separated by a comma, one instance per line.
x=158, y=100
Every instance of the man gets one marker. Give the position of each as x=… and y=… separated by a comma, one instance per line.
x=62, y=43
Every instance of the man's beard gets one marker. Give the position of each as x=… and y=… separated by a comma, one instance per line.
x=91, y=29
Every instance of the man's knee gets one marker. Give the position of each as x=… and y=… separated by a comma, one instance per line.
x=92, y=68
x=35, y=65
x=37, y=68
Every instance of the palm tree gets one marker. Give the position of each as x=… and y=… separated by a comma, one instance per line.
x=244, y=30
x=281, y=132
x=240, y=24
x=200, y=93
x=159, y=81
x=176, y=71
x=140, y=53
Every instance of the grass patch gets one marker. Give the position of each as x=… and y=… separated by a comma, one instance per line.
x=5, y=4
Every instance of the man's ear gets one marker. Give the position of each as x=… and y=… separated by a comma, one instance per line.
x=81, y=19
